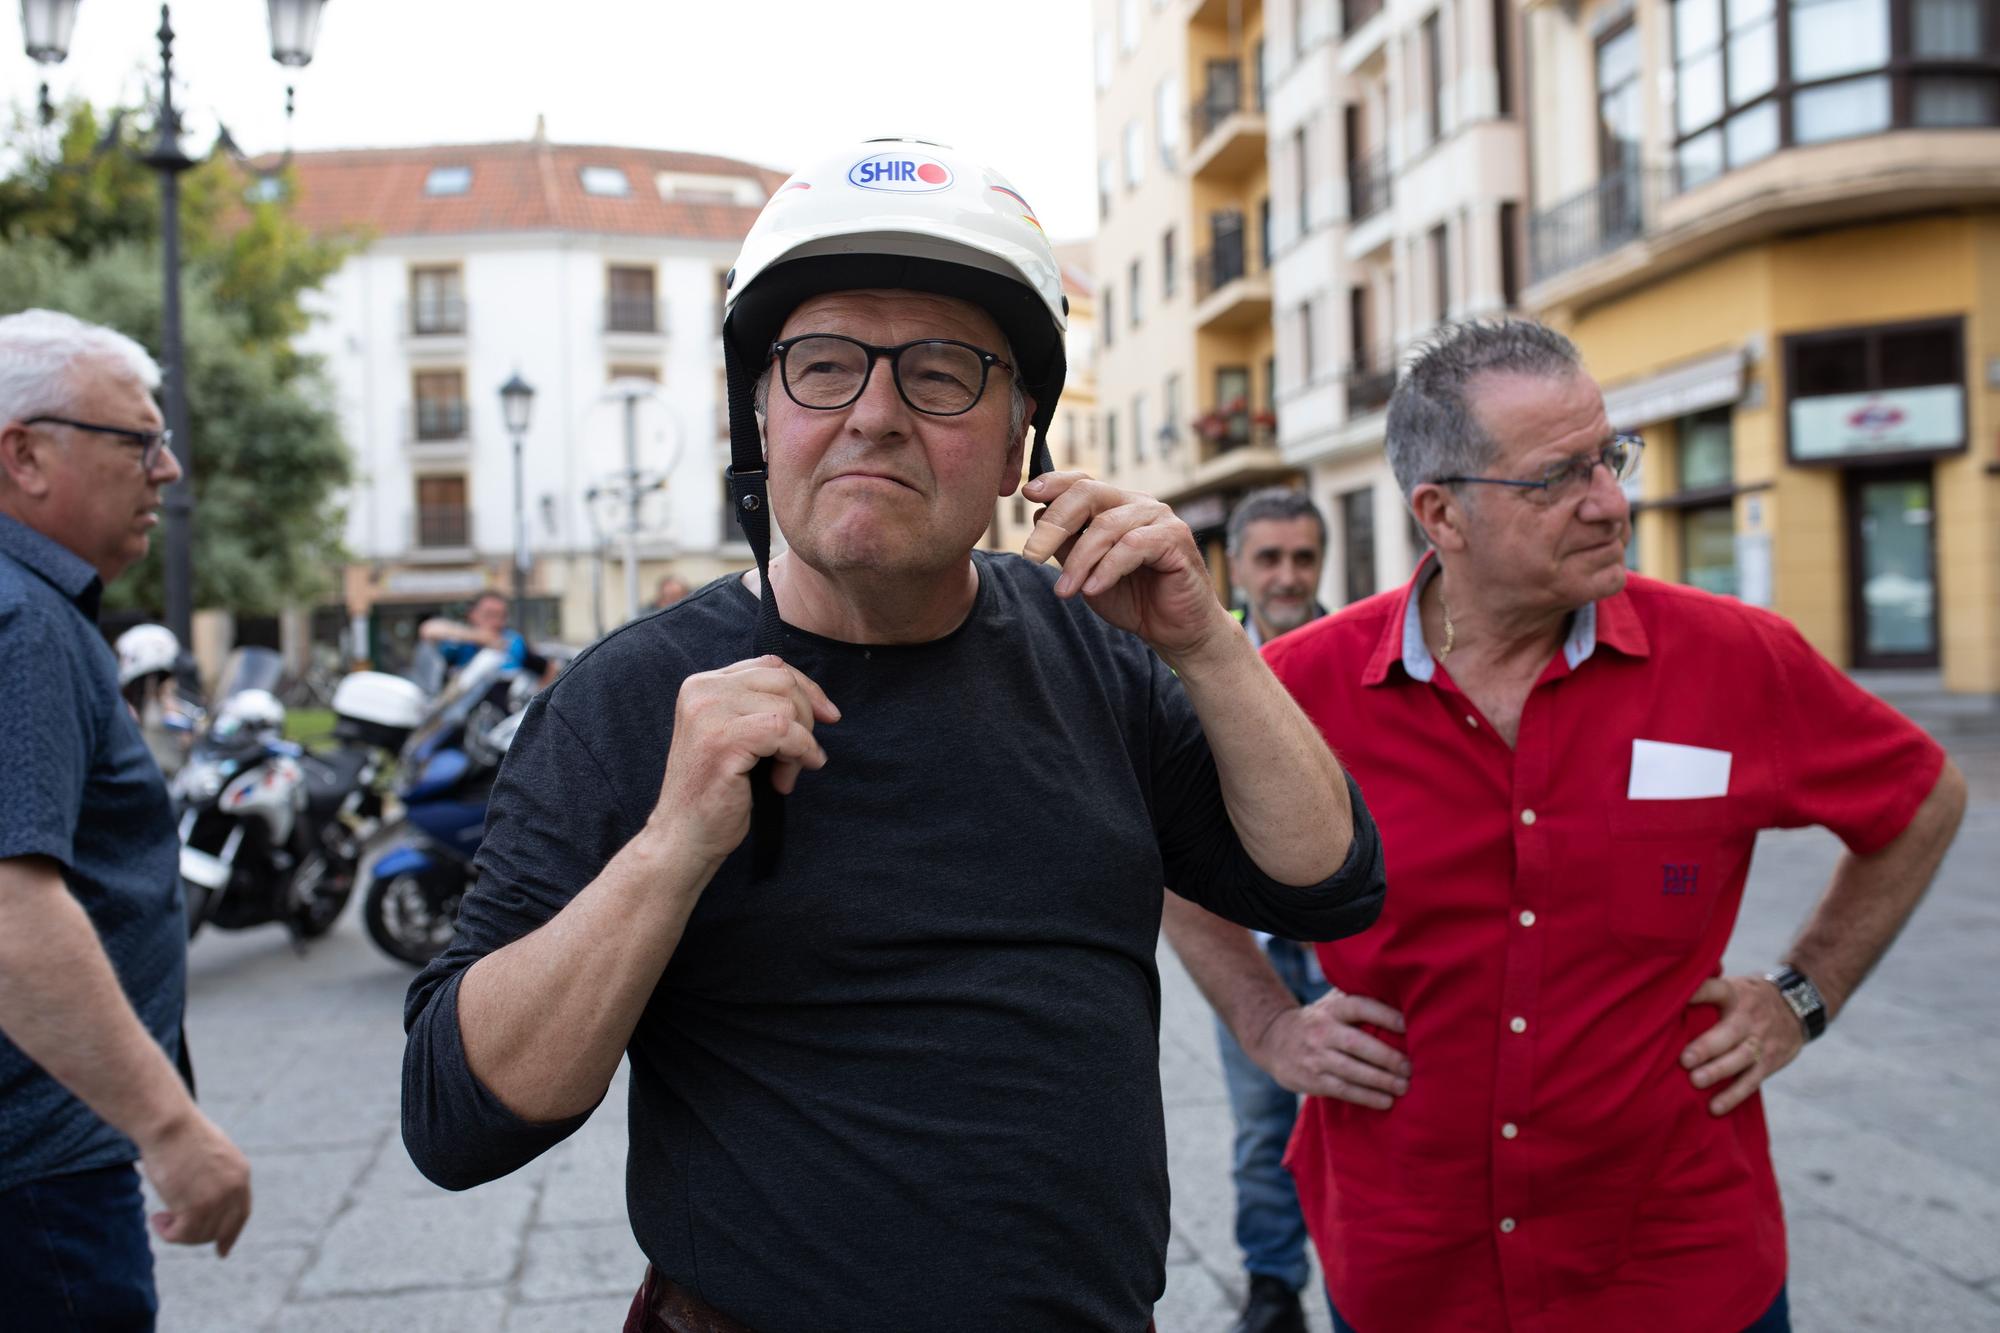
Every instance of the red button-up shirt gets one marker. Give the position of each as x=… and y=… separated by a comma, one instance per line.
x=1552, y=907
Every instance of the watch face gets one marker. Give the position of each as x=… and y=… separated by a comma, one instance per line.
x=1801, y=1003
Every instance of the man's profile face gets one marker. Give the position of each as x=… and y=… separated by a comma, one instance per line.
x=488, y=614
x=877, y=486
x=1568, y=553
x=102, y=503
x=1277, y=564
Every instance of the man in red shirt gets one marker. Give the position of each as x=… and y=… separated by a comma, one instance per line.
x=1535, y=1094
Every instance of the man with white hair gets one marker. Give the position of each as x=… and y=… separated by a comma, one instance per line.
x=93, y=934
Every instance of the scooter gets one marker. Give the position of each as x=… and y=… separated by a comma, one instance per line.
x=271, y=831
x=448, y=767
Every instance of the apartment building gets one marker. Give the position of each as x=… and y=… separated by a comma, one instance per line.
x=1773, y=228
x=1398, y=166
x=595, y=273
x=1181, y=259
x=1073, y=435
x=1347, y=175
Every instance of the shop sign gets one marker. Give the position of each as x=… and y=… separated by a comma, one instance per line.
x=1893, y=421
x=1205, y=511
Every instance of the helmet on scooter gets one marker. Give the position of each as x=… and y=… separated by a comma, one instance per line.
x=145, y=650
x=249, y=710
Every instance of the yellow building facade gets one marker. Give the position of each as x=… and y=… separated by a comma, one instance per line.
x=1182, y=258
x=1787, y=278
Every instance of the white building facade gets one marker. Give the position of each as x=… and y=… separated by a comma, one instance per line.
x=1398, y=170
x=595, y=274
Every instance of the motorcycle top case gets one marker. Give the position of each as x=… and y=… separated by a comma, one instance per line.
x=376, y=708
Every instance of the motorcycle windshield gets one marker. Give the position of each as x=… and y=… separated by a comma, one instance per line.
x=449, y=710
x=250, y=669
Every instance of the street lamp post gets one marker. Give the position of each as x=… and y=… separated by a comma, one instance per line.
x=46, y=27
x=517, y=399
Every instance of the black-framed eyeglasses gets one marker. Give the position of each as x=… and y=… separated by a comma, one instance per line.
x=1560, y=480
x=940, y=377
x=150, y=442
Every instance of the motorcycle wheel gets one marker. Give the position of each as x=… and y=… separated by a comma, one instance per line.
x=403, y=921
x=320, y=889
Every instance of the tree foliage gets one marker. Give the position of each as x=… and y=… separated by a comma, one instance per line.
x=79, y=232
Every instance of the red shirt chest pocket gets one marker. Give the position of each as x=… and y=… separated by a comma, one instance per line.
x=1666, y=866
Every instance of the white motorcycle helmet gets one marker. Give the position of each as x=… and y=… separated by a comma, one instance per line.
x=891, y=213
x=144, y=650
x=250, y=710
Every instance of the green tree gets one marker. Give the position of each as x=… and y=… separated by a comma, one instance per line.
x=81, y=234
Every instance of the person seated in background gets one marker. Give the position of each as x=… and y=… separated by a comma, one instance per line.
x=485, y=626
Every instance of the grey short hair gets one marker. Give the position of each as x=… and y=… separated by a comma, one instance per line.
x=40, y=351
x=1432, y=429
x=1280, y=503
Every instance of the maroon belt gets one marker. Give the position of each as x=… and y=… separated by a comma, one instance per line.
x=665, y=1306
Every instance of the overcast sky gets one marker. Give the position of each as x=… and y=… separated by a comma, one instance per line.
x=772, y=81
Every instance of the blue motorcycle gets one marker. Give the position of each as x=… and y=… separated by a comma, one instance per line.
x=448, y=767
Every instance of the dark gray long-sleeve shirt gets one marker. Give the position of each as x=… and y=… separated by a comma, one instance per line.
x=910, y=1080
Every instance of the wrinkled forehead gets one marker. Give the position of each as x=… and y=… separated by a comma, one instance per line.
x=1539, y=418
x=887, y=317
x=106, y=385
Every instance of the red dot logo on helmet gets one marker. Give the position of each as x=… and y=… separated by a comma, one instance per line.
x=932, y=174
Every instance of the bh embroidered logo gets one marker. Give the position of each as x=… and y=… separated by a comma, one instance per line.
x=1679, y=881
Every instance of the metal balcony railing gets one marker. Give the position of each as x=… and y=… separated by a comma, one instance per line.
x=1370, y=380
x=432, y=316
x=1227, y=261
x=1220, y=100
x=633, y=314
x=439, y=419
x=441, y=527
x=1617, y=209
x=1368, y=185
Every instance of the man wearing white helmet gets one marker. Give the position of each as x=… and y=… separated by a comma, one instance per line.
x=148, y=656
x=859, y=857
x=93, y=933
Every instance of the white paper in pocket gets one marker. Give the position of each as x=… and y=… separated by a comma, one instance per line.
x=1663, y=771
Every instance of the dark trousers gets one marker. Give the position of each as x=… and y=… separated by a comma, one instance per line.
x=1777, y=1319
x=74, y=1257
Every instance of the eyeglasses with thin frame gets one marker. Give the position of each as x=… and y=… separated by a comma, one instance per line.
x=150, y=442
x=1560, y=480
x=940, y=377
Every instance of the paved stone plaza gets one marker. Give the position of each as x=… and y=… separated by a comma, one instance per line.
x=1888, y=1141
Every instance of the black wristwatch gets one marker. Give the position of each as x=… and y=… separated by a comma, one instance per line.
x=1803, y=997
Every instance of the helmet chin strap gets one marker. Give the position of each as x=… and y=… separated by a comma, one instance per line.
x=750, y=497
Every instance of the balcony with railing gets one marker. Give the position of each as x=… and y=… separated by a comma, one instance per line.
x=1594, y=222
x=1226, y=127
x=436, y=317
x=441, y=532
x=1235, y=446
x=440, y=421
x=634, y=314
x=1369, y=188
x=1370, y=380
x=1232, y=289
